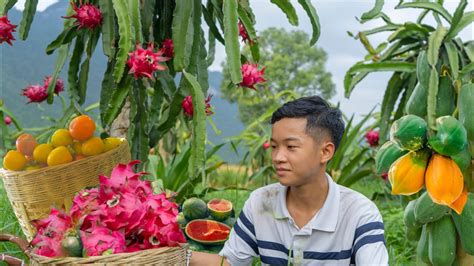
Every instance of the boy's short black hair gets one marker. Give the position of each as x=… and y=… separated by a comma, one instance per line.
x=319, y=115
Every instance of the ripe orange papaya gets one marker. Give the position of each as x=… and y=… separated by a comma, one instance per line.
x=444, y=180
x=407, y=174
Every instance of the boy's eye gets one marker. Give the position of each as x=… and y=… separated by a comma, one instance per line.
x=291, y=147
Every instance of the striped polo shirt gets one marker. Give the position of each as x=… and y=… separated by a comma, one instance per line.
x=347, y=230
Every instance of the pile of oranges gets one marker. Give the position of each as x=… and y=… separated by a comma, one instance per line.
x=66, y=145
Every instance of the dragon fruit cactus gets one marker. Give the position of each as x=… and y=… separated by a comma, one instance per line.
x=59, y=84
x=87, y=15
x=35, y=93
x=143, y=62
x=6, y=30
x=103, y=241
x=251, y=75
x=50, y=233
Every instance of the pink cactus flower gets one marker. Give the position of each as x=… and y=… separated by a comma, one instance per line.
x=243, y=33
x=87, y=15
x=251, y=76
x=168, y=48
x=143, y=62
x=266, y=145
x=35, y=93
x=188, y=108
x=59, y=84
x=6, y=30
x=7, y=120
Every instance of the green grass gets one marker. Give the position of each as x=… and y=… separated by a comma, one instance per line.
x=9, y=224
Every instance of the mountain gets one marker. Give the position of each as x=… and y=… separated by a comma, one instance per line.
x=26, y=63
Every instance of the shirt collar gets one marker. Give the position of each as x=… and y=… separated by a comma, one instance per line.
x=325, y=219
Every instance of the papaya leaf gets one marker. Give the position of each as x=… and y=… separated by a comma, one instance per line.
x=466, y=20
x=313, y=17
x=199, y=126
x=434, y=43
x=453, y=58
x=432, y=94
x=117, y=100
x=435, y=7
x=125, y=41
x=394, y=88
x=74, y=67
x=373, y=12
x=135, y=18
x=231, y=34
x=458, y=14
x=108, y=27
x=182, y=33
x=60, y=61
x=288, y=9
x=27, y=19
x=212, y=25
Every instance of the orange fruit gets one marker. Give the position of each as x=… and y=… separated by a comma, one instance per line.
x=111, y=143
x=59, y=155
x=82, y=127
x=26, y=143
x=41, y=152
x=61, y=137
x=77, y=146
x=14, y=161
x=92, y=146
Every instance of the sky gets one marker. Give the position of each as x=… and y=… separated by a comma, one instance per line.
x=336, y=18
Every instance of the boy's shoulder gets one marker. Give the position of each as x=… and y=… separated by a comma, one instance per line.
x=352, y=200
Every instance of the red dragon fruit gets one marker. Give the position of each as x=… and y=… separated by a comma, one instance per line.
x=188, y=108
x=266, y=145
x=87, y=15
x=35, y=93
x=84, y=202
x=59, y=84
x=168, y=48
x=6, y=30
x=7, y=120
x=143, y=62
x=251, y=75
x=372, y=138
x=50, y=232
x=102, y=241
x=243, y=33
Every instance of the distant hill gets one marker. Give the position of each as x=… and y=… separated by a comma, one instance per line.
x=26, y=63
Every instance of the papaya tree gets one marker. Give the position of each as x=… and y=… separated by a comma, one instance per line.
x=427, y=123
x=158, y=54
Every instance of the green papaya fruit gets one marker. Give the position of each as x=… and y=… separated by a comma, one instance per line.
x=409, y=132
x=465, y=225
x=442, y=242
x=450, y=138
x=409, y=216
x=387, y=155
x=427, y=211
x=466, y=110
x=413, y=234
x=417, y=103
x=445, y=99
x=423, y=245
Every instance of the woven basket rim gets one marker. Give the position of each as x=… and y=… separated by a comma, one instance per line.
x=111, y=257
x=4, y=173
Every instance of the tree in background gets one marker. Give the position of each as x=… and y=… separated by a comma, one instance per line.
x=290, y=64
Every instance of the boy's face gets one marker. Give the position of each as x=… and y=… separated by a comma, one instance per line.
x=296, y=156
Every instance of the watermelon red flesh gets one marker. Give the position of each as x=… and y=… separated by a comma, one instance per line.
x=220, y=209
x=219, y=205
x=207, y=231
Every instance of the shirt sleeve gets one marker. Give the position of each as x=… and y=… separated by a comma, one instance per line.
x=241, y=246
x=369, y=241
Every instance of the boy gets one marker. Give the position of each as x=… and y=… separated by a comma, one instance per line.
x=306, y=218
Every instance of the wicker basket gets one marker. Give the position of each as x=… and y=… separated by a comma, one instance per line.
x=33, y=193
x=157, y=256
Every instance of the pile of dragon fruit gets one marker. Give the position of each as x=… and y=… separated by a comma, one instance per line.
x=121, y=215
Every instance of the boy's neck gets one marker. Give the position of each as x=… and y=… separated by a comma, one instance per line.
x=309, y=197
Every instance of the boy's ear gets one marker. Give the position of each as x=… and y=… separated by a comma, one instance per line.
x=327, y=151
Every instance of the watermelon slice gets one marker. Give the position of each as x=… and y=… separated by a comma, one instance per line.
x=207, y=232
x=220, y=209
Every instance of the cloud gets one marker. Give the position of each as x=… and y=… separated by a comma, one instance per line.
x=42, y=4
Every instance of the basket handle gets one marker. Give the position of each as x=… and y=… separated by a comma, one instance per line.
x=20, y=242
